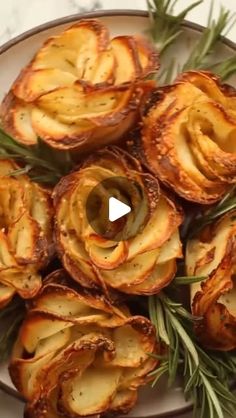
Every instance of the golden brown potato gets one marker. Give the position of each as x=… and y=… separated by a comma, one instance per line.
x=212, y=254
x=81, y=90
x=25, y=233
x=188, y=137
x=141, y=264
x=79, y=355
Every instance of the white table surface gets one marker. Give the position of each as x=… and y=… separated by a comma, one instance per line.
x=17, y=16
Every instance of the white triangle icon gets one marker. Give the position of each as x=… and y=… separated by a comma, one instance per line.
x=117, y=209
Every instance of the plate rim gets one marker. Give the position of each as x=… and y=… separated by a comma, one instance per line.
x=98, y=14
x=70, y=19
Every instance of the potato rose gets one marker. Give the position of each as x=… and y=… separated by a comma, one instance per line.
x=212, y=254
x=188, y=137
x=81, y=90
x=141, y=264
x=25, y=233
x=77, y=355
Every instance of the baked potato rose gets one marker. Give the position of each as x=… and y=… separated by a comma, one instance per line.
x=25, y=233
x=82, y=89
x=188, y=137
x=143, y=261
x=212, y=254
x=77, y=355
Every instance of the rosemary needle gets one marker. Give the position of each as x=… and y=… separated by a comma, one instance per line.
x=204, y=47
x=188, y=280
x=166, y=28
x=12, y=316
x=42, y=164
x=206, y=374
x=227, y=204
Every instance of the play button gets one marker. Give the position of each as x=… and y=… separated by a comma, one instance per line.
x=117, y=209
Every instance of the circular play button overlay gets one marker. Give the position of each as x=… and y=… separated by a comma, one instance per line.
x=117, y=208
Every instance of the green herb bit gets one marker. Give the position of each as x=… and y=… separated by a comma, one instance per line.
x=166, y=28
x=198, y=58
x=43, y=164
x=188, y=280
x=206, y=374
x=20, y=171
x=11, y=318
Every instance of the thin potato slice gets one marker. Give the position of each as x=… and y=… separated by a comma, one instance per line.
x=75, y=49
x=38, y=82
x=92, y=392
x=131, y=346
x=126, y=59
x=6, y=295
x=160, y=277
x=17, y=119
x=124, y=401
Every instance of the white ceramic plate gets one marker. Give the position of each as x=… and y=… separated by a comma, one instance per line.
x=161, y=401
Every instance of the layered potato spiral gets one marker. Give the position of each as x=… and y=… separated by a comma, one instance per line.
x=188, y=136
x=212, y=254
x=77, y=355
x=25, y=233
x=142, y=264
x=81, y=90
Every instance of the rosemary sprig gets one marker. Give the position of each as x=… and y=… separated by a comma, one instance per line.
x=188, y=280
x=227, y=204
x=166, y=28
x=224, y=69
x=199, y=57
x=43, y=164
x=11, y=318
x=206, y=374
